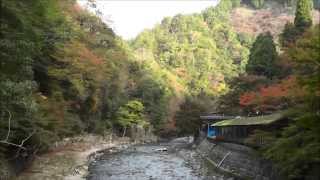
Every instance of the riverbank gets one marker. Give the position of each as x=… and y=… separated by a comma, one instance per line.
x=238, y=160
x=69, y=159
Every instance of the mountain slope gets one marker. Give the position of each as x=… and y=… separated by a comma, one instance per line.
x=202, y=50
x=255, y=21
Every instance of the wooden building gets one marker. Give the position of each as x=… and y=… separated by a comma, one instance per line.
x=238, y=129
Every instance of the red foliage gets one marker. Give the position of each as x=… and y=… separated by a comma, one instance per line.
x=247, y=98
x=272, y=96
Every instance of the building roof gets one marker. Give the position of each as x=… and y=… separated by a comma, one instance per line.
x=244, y=121
x=215, y=117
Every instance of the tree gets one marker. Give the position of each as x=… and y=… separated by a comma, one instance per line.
x=288, y=35
x=187, y=118
x=263, y=55
x=236, y=3
x=307, y=61
x=296, y=151
x=130, y=114
x=303, y=18
x=257, y=3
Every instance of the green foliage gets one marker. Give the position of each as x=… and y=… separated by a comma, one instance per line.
x=296, y=152
x=236, y=3
x=303, y=18
x=306, y=55
x=302, y=21
x=296, y=148
x=18, y=45
x=22, y=40
x=257, y=3
x=288, y=35
x=263, y=56
x=155, y=95
x=186, y=55
x=130, y=114
x=62, y=72
x=199, y=46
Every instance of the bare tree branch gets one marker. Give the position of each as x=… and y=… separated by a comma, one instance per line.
x=23, y=141
x=9, y=125
x=13, y=144
x=5, y=141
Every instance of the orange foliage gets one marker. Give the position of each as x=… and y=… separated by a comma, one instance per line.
x=281, y=89
x=87, y=55
x=247, y=98
x=274, y=94
x=78, y=51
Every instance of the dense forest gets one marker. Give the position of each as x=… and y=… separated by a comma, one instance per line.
x=64, y=72
x=284, y=76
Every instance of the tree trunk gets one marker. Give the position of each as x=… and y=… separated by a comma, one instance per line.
x=124, y=131
x=111, y=134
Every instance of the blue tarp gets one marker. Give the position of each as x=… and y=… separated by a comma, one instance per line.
x=211, y=132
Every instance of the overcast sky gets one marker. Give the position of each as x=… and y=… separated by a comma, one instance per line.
x=129, y=17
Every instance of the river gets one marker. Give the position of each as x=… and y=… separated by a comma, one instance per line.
x=146, y=162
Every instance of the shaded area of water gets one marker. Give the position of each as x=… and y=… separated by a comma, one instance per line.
x=144, y=162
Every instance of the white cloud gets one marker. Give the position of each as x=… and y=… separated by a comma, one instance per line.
x=131, y=17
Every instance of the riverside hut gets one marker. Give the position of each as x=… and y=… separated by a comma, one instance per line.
x=238, y=129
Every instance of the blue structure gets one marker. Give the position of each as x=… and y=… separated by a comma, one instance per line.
x=208, y=120
x=211, y=133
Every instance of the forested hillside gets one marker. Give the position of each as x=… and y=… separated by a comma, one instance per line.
x=199, y=52
x=257, y=71
x=284, y=80
x=202, y=50
x=64, y=72
x=205, y=52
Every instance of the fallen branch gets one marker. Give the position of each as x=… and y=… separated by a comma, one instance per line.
x=224, y=159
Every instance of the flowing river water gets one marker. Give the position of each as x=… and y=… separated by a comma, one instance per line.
x=147, y=162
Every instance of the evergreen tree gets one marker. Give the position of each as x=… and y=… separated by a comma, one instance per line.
x=288, y=35
x=303, y=17
x=262, y=57
x=295, y=153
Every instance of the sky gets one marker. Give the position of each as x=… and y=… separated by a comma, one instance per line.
x=129, y=17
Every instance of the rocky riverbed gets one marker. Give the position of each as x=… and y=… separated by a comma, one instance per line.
x=172, y=160
x=96, y=158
